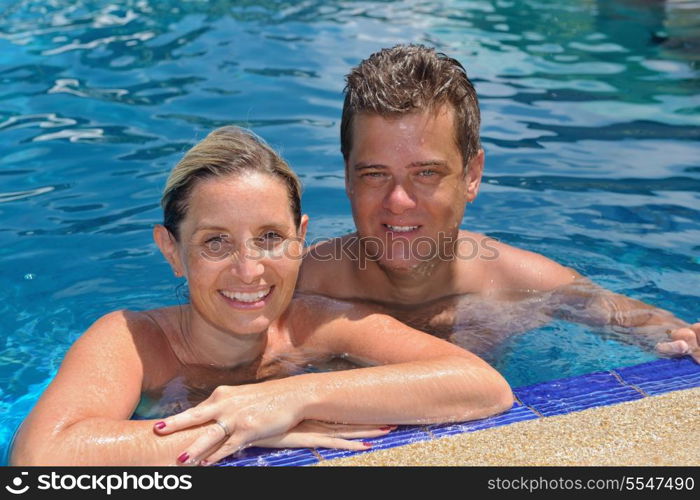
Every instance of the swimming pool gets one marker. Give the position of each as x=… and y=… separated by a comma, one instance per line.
x=591, y=121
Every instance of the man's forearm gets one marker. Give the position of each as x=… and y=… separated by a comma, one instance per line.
x=588, y=303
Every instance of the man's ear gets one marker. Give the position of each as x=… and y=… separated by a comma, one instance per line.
x=168, y=247
x=475, y=170
x=348, y=189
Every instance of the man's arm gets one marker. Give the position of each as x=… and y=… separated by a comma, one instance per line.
x=585, y=302
x=575, y=298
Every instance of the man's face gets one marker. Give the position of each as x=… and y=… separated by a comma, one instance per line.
x=407, y=187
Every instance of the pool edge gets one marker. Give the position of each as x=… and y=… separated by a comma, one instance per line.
x=534, y=402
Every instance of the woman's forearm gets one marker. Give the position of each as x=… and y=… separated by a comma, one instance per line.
x=100, y=441
x=445, y=389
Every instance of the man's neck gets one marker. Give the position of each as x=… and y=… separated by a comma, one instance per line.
x=426, y=282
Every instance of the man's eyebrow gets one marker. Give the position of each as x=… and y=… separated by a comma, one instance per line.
x=425, y=163
x=367, y=166
x=209, y=227
x=428, y=163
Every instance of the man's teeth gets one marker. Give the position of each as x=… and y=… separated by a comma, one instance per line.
x=245, y=297
x=401, y=229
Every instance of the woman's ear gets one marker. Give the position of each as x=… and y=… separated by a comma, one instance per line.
x=168, y=247
x=303, y=226
x=301, y=236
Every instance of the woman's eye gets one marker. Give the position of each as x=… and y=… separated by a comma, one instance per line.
x=270, y=239
x=216, y=246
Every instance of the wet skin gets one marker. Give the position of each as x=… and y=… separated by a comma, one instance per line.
x=405, y=181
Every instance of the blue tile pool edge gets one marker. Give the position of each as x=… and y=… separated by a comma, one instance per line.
x=553, y=397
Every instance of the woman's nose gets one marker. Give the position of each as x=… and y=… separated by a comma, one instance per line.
x=247, y=265
x=399, y=199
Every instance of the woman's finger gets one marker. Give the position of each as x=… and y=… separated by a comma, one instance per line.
x=343, y=430
x=213, y=438
x=363, y=433
x=226, y=449
x=338, y=443
x=198, y=415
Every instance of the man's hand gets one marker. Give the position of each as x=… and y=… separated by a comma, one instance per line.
x=685, y=340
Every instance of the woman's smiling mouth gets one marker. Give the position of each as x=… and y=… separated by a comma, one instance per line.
x=247, y=300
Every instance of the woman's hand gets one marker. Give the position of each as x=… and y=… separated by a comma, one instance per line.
x=316, y=434
x=236, y=417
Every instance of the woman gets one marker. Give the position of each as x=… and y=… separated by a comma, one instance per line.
x=233, y=228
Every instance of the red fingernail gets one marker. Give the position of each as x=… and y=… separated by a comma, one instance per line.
x=368, y=445
x=387, y=428
x=204, y=462
x=183, y=458
x=159, y=425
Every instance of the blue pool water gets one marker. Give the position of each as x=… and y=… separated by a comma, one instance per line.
x=591, y=122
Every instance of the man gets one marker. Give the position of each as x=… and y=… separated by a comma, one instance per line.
x=413, y=161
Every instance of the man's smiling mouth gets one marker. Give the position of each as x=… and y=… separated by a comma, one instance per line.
x=400, y=229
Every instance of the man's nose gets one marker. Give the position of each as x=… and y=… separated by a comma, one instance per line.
x=399, y=199
x=247, y=265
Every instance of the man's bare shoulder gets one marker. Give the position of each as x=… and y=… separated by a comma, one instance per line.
x=511, y=268
x=327, y=268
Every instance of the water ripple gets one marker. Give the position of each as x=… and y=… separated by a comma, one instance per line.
x=150, y=93
x=111, y=134
x=579, y=184
x=92, y=44
x=44, y=120
x=210, y=123
x=29, y=193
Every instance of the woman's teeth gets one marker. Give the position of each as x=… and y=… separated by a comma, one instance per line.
x=246, y=297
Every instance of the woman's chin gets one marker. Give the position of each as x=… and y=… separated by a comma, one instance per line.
x=244, y=328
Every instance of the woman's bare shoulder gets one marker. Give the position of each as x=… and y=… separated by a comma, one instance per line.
x=122, y=325
x=136, y=335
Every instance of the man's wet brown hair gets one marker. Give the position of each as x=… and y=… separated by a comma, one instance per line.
x=407, y=79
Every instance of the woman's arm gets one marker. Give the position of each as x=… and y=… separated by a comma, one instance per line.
x=423, y=379
x=82, y=417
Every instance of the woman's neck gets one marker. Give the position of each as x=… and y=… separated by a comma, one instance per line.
x=198, y=342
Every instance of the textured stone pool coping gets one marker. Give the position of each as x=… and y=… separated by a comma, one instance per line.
x=639, y=415
x=658, y=430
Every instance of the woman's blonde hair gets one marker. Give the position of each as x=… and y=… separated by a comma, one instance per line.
x=225, y=151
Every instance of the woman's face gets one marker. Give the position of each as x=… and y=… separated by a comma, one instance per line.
x=240, y=251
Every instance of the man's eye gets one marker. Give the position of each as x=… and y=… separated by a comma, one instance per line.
x=372, y=176
x=427, y=173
